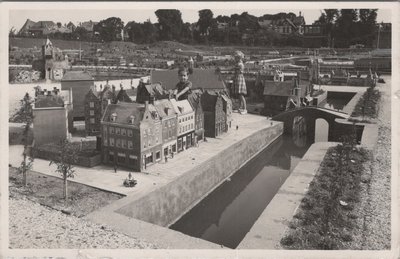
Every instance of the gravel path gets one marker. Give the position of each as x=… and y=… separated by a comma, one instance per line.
x=34, y=226
x=377, y=228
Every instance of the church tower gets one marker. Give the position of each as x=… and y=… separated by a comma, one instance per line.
x=48, y=56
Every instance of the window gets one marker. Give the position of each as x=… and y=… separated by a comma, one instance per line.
x=123, y=132
x=113, y=117
x=123, y=141
x=111, y=142
x=111, y=130
x=117, y=131
x=158, y=155
x=121, y=158
x=105, y=142
x=91, y=112
x=91, y=104
x=130, y=144
x=111, y=156
x=105, y=130
x=180, y=120
x=117, y=142
x=130, y=133
x=92, y=120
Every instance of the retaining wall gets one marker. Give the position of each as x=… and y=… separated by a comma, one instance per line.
x=168, y=203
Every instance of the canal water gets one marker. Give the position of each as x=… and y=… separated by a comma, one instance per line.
x=227, y=214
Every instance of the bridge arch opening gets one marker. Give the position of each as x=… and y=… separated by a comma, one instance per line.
x=299, y=131
x=321, y=130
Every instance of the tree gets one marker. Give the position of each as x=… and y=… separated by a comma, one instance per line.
x=205, y=22
x=25, y=115
x=170, y=24
x=328, y=19
x=110, y=29
x=346, y=27
x=66, y=157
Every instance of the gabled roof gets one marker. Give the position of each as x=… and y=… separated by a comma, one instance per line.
x=28, y=24
x=43, y=24
x=164, y=108
x=201, y=79
x=123, y=96
x=123, y=112
x=194, y=98
x=181, y=107
x=298, y=20
x=155, y=89
x=44, y=101
x=77, y=76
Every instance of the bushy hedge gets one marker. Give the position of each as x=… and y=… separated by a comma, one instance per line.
x=367, y=106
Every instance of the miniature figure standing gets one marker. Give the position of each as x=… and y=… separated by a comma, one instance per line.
x=184, y=86
x=239, y=84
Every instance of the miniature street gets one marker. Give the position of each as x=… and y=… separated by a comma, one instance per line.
x=103, y=177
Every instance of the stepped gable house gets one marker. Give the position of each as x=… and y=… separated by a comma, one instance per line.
x=80, y=82
x=169, y=122
x=206, y=79
x=185, y=128
x=96, y=103
x=131, y=135
x=194, y=99
x=227, y=107
x=52, y=117
x=214, y=115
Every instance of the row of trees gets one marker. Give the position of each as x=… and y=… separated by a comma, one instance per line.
x=344, y=27
x=349, y=26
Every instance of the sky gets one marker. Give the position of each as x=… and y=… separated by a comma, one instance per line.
x=141, y=13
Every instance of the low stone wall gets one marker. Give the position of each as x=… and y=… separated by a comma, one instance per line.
x=168, y=203
x=82, y=160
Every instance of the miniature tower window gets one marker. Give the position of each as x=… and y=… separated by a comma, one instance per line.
x=113, y=117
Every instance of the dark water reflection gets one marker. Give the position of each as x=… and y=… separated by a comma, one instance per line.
x=227, y=214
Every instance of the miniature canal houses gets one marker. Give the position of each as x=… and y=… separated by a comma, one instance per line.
x=53, y=63
x=194, y=99
x=169, y=122
x=185, y=134
x=227, y=106
x=95, y=104
x=214, y=115
x=131, y=135
x=281, y=96
x=147, y=91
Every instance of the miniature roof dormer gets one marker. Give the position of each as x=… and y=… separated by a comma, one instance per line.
x=113, y=117
x=131, y=119
x=181, y=109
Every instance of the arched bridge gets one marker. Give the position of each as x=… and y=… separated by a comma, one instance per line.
x=303, y=119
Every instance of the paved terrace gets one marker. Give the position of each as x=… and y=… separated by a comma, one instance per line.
x=157, y=175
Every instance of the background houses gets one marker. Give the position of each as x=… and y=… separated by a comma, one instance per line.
x=194, y=99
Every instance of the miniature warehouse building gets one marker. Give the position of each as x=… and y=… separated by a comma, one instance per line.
x=80, y=82
x=52, y=116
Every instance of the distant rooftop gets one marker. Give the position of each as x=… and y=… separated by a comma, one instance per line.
x=77, y=76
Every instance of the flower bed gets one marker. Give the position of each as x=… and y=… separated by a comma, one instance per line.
x=325, y=217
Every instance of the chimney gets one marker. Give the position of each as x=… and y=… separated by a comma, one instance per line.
x=300, y=14
x=48, y=93
x=151, y=99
